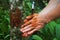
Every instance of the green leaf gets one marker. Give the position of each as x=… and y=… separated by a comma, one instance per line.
x=35, y=37
x=6, y=36
x=58, y=31
x=52, y=26
x=55, y=39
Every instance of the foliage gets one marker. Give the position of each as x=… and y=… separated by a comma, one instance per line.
x=49, y=32
x=4, y=24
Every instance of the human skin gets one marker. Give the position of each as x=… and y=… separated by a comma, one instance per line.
x=50, y=12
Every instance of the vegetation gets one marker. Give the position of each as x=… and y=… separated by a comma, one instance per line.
x=49, y=32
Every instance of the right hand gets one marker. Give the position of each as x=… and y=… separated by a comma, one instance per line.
x=33, y=23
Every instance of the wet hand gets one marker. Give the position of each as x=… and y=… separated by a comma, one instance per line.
x=34, y=24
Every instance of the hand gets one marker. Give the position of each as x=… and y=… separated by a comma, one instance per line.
x=35, y=23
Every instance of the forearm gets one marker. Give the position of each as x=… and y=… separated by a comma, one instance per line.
x=52, y=10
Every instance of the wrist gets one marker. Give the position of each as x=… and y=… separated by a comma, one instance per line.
x=45, y=18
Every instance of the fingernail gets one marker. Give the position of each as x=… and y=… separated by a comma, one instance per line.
x=20, y=29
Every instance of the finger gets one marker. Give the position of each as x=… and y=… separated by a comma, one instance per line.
x=28, y=29
x=35, y=14
x=29, y=17
x=26, y=20
x=27, y=23
x=37, y=28
x=31, y=32
x=22, y=29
